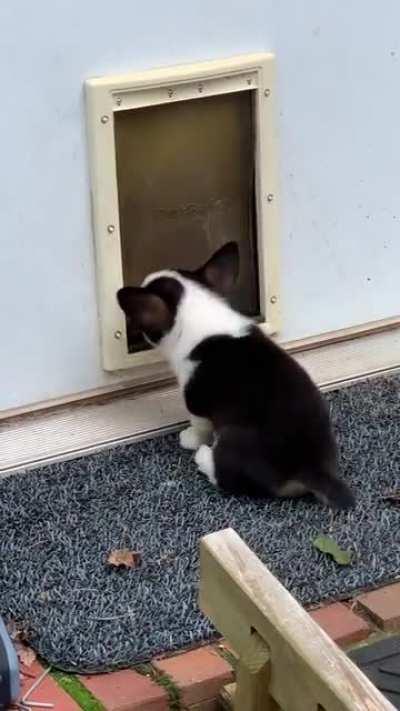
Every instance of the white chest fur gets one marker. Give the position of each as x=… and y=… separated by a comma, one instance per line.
x=200, y=314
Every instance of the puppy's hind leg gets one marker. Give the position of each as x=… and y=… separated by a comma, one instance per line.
x=240, y=465
x=204, y=459
x=199, y=432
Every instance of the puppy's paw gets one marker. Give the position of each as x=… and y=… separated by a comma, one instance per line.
x=204, y=459
x=192, y=438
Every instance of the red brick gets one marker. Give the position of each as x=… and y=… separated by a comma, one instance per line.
x=341, y=623
x=383, y=606
x=127, y=691
x=199, y=674
x=48, y=691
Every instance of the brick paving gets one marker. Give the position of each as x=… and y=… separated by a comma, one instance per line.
x=193, y=679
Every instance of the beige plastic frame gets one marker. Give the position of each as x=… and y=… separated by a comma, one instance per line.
x=107, y=95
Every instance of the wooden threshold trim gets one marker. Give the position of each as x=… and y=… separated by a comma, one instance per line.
x=79, y=428
x=130, y=387
x=342, y=334
x=76, y=430
x=161, y=376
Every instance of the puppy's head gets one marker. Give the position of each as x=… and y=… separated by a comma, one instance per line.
x=152, y=308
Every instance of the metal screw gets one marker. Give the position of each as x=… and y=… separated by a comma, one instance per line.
x=104, y=119
x=249, y=81
x=200, y=87
x=117, y=335
x=110, y=229
x=267, y=92
x=273, y=299
x=118, y=100
x=170, y=92
x=270, y=197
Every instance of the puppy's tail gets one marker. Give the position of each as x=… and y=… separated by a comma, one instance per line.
x=333, y=492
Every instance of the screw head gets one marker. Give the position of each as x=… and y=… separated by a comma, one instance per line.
x=200, y=88
x=170, y=92
x=267, y=92
x=104, y=119
x=273, y=299
x=117, y=335
x=118, y=101
x=110, y=229
x=270, y=197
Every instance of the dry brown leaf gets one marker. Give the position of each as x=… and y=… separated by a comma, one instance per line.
x=123, y=557
x=26, y=655
x=14, y=631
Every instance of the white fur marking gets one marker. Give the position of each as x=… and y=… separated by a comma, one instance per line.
x=192, y=438
x=200, y=314
x=292, y=488
x=204, y=459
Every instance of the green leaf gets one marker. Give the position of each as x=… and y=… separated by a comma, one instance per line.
x=327, y=545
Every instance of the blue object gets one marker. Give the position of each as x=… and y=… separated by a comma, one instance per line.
x=9, y=669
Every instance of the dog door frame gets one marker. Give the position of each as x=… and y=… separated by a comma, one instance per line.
x=108, y=95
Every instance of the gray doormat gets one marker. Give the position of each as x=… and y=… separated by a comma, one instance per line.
x=59, y=523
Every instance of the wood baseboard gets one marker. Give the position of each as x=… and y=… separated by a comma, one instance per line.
x=159, y=376
x=41, y=438
x=343, y=334
x=65, y=432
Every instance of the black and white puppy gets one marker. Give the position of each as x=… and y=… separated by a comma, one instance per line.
x=258, y=422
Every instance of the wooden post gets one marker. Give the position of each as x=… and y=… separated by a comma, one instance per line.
x=253, y=677
x=286, y=658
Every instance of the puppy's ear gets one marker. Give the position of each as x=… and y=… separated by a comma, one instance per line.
x=146, y=311
x=222, y=270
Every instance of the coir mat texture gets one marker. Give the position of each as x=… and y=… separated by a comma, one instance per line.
x=58, y=525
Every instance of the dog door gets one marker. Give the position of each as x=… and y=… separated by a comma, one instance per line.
x=182, y=162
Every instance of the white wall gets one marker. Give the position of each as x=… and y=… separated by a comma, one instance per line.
x=339, y=78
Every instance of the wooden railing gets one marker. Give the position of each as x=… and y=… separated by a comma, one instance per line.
x=285, y=660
